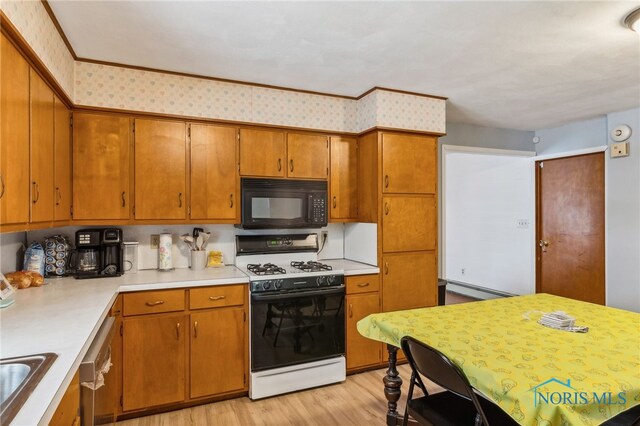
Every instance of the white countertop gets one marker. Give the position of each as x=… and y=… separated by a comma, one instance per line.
x=64, y=315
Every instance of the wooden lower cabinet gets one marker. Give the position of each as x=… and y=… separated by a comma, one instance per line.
x=217, y=351
x=198, y=351
x=361, y=351
x=68, y=411
x=154, y=361
x=409, y=281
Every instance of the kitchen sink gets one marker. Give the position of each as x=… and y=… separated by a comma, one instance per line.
x=18, y=378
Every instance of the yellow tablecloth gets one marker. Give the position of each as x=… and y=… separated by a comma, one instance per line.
x=525, y=367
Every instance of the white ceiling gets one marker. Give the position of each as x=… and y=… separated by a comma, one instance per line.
x=523, y=65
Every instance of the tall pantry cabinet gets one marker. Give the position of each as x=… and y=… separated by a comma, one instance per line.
x=397, y=173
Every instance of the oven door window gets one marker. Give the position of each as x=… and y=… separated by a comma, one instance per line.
x=296, y=328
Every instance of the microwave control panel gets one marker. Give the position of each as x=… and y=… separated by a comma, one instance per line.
x=318, y=210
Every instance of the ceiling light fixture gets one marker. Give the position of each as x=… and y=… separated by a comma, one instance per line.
x=632, y=21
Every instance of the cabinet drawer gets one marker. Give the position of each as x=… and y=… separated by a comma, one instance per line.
x=152, y=302
x=216, y=297
x=362, y=283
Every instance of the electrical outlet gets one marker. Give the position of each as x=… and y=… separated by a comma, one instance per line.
x=522, y=223
x=154, y=241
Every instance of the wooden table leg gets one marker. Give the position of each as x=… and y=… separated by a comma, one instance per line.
x=392, y=384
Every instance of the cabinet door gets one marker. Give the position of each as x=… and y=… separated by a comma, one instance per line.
x=262, y=153
x=307, y=156
x=361, y=351
x=217, y=351
x=14, y=135
x=409, y=164
x=153, y=361
x=409, y=281
x=160, y=169
x=344, y=178
x=101, y=166
x=41, y=101
x=62, y=162
x=214, y=176
x=408, y=223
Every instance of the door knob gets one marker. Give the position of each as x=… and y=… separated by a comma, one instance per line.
x=544, y=243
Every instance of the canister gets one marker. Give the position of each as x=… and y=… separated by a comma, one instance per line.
x=130, y=257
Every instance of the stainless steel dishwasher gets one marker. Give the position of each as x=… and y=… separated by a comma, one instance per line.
x=98, y=399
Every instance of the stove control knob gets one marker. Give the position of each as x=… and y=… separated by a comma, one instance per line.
x=320, y=281
x=277, y=284
x=331, y=279
x=266, y=285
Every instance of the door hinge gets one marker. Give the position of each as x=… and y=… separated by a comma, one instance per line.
x=121, y=400
x=238, y=135
x=71, y=211
x=327, y=142
x=134, y=210
x=121, y=329
x=189, y=210
x=70, y=120
x=189, y=131
x=134, y=127
x=327, y=171
x=541, y=165
x=244, y=317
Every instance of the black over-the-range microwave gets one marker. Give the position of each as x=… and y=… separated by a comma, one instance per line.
x=283, y=203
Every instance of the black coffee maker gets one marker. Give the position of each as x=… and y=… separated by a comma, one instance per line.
x=98, y=253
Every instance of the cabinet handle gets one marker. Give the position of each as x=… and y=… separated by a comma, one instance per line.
x=334, y=202
x=386, y=181
x=180, y=199
x=58, y=196
x=386, y=268
x=195, y=329
x=115, y=313
x=36, y=192
x=178, y=331
x=2, y=183
x=279, y=164
x=291, y=164
x=230, y=200
x=124, y=200
x=156, y=303
x=214, y=298
x=363, y=285
x=350, y=310
x=386, y=209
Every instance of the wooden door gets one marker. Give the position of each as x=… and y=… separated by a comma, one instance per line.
x=217, y=351
x=571, y=228
x=409, y=281
x=41, y=103
x=62, y=162
x=214, y=172
x=344, y=178
x=101, y=166
x=307, y=156
x=14, y=135
x=361, y=351
x=153, y=361
x=409, y=164
x=408, y=223
x=160, y=169
x=262, y=153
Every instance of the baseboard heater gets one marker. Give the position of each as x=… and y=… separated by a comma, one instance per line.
x=475, y=291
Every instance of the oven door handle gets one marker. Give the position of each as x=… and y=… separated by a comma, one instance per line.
x=297, y=294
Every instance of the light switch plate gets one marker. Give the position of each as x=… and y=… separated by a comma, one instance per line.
x=619, y=149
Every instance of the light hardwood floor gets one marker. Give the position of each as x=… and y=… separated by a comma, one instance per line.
x=358, y=401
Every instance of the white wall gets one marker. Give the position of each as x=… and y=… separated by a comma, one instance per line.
x=486, y=193
x=11, y=251
x=622, y=187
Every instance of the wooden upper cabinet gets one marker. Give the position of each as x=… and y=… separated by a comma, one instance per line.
x=307, y=156
x=62, y=162
x=368, y=178
x=409, y=281
x=41, y=102
x=214, y=172
x=14, y=135
x=101, y=166
x=408, y=223
x=154, y=361
x=262, y=153
x=160, y=169
x=217, y=351
x=409, y=164
x=344, y=179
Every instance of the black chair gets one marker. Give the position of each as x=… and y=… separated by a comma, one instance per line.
x=458, y=405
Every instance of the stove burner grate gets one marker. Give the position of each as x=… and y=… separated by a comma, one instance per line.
x=266, y=269
x=311, y=266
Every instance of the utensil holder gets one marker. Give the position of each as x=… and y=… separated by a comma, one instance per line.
x=198, y=260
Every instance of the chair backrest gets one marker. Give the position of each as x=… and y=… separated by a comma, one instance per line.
x=435, y=366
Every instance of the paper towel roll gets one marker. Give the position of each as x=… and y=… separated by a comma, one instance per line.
x=164, y=252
